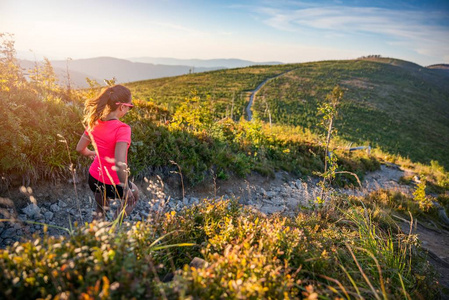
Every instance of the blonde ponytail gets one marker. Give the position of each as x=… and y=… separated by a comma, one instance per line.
x=99, y=107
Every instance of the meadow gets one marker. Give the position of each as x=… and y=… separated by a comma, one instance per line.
x=349, y=247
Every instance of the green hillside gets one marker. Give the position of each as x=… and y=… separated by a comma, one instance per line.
x=397, y=106
x=221, y=86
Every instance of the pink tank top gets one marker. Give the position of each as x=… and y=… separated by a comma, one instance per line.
x=106, y=134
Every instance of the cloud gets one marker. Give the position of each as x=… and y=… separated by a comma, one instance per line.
x=421, y=31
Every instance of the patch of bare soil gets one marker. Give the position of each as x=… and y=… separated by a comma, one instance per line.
x=437, y=245
x=239, y=188
x=387, y=178
x=436, y=242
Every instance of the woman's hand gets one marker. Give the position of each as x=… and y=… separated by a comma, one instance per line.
x=92, y=154
x=129, y=196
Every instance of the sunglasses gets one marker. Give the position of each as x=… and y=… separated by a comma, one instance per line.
x=125, y=104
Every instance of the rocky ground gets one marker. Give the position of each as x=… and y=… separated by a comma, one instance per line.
x=59, y=206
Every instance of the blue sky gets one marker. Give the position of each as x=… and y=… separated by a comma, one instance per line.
x=258, y=30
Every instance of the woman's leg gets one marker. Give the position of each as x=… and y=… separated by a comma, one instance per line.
x=102, y=205
x=130, y=201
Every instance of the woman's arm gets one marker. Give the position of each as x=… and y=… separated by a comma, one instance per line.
x=82, y=146
x=121, y=151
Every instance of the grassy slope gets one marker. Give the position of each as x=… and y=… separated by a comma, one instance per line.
x=397, y=106
x=222, y=86
x=401, y=109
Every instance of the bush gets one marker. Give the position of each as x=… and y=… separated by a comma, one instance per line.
x=248, y=255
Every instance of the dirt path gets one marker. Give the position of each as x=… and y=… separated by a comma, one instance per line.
x=254, y=92
x=434, y=241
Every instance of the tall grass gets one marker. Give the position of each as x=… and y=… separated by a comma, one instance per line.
x=328, y=253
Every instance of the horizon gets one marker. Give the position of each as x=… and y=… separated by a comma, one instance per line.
x=255, y=30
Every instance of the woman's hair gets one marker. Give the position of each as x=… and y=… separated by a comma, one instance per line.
x=99, y=107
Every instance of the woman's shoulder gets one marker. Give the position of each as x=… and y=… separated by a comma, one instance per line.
x=110, y=125
x=122, y=124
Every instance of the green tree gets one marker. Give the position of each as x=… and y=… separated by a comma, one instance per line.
x=328, y=109
x=43, y=78
x=11, y=76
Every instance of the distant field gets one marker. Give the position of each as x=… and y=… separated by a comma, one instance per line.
x=395, y=105
x=399, y=109
x=221, y=86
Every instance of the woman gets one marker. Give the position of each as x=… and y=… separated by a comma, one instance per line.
x=108, y=174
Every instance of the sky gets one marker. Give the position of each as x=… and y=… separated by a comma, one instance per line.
x=278, y=30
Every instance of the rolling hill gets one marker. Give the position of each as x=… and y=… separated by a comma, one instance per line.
x=202, y=63
x=397, y=106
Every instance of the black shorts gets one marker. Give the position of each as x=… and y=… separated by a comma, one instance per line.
x=112, y=191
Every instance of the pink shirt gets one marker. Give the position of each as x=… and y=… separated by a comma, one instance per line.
x=106, y=134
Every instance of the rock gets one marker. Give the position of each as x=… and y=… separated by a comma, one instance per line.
x=185, y=201
x=8, y=242
x=198, y=263
x=270, y=194
x=62, y=204
x=23, y=217
x=194, y=200
x=443, y=216
x=278, y=200
x=298, y=183
x=48, y=215
x=9, y=233
x=32, y=210
x=292, y=203
x=55, y=208
x=267, y=201
x=269, y=209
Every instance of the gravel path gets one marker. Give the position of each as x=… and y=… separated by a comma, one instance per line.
x=63, y=206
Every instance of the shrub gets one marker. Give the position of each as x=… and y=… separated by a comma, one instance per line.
x=420, y=196
x=248, y=255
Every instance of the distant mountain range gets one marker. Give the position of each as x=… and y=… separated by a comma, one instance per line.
x=203, y=63
x=135, y=69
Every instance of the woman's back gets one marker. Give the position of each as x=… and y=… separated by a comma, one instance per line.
x=105, y=135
